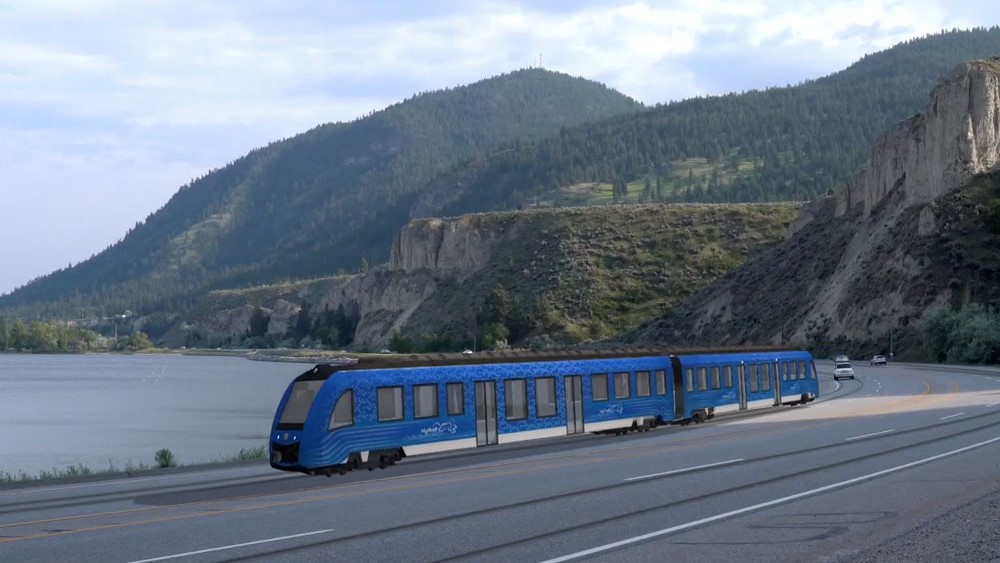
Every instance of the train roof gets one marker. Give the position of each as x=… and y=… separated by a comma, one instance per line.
x=388, y=361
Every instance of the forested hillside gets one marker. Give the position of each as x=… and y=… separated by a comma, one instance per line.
x=324, y=200
x=790, y=143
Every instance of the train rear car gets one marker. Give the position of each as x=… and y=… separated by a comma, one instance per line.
x=717, y=383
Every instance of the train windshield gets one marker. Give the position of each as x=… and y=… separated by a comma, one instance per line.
x=297, y=407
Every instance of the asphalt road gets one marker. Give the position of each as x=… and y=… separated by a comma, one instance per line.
x=901, y=464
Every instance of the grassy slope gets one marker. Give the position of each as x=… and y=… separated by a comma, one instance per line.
x=592, y=273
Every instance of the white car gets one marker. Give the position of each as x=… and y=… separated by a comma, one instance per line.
x=878, y=360
x=843, y=370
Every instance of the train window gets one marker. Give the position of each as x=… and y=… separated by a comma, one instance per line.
x=545, y=396
x=716, y=382
x=702, y=379
x=805, y=371
x=783, y=366
x=390, y=403
x=621, y=386
x=754, y=382
x=689, y=377
x=456, y=399
x=425, y=401
x=343, y=411
x=765, y=377
x=599, y=386
x=642, y=384
x=727, y=376
x=297, y=407
x=661, y=382
x=516, y=398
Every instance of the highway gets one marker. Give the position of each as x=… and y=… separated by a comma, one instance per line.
x=902, y=463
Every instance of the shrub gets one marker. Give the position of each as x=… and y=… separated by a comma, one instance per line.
x=165, y=458
x=971, y=335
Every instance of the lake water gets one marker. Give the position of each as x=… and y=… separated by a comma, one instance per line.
x=106, y=410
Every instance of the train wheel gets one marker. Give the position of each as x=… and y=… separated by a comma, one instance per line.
x=697, y=417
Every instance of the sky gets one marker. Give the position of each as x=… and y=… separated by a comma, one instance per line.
x=108, y=107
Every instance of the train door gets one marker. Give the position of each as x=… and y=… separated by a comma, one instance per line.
x=486, y=413
x=743, y=387
x=574, y=404
x=675, y=364
x=776, y=384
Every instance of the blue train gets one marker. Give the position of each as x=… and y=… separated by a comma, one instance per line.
x=335, y=418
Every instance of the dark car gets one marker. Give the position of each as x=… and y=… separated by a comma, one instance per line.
x=879, y=360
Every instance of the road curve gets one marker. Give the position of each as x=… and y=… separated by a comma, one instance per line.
x=899, y=464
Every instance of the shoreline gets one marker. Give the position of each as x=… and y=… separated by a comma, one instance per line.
x=67, y=477
x=305, y=356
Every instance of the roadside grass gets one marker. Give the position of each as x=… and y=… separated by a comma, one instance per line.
x=70, y=472
x=248, y=454
x=131, y=468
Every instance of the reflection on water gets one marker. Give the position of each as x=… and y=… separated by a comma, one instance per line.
x=101, y=409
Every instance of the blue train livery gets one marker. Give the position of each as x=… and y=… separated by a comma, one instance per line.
x=334, y=418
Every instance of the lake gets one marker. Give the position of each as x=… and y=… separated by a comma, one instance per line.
x=106, y=410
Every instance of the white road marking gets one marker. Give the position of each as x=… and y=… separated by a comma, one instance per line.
x=952, y=416
x=870, y=435
x=676, y=471
x=992, y=405
x=744, y=510
x=234, y=546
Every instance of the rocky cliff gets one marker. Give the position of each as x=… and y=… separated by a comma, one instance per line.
x=866, y=263
x=936, y=151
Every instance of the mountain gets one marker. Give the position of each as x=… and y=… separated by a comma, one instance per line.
x=780, y=144
x=320, y=201
x=333, y=198
x=916, y=231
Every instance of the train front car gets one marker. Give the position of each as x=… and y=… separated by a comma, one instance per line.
x=303, y=403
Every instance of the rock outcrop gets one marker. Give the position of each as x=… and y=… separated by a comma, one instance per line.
x=931, y=153
x=861, y=266
x=457, y=247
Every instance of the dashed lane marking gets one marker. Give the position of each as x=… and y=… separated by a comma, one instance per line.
x=233, y=546
x=685, y=470
x=870, y=435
